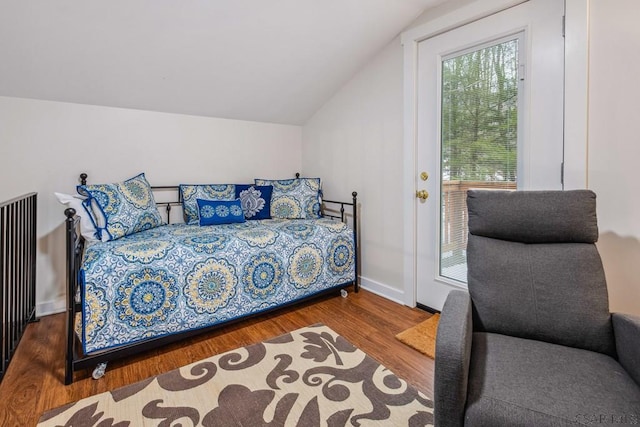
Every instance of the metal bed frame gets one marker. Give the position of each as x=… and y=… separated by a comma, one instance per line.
x=76, y=360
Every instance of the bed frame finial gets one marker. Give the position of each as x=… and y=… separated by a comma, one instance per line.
x=83, y=178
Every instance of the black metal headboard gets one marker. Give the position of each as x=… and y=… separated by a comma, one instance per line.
x=335, y=210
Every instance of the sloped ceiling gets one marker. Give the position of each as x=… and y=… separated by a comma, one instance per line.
x=274, y=61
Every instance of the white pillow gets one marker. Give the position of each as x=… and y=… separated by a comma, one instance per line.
x=87, y=228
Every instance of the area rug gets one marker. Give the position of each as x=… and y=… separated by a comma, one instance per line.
x=422, y=337
x=309, y=377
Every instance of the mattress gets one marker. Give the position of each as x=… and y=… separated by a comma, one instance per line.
x=179, y=277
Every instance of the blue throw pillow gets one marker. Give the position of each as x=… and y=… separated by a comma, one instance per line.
x=122, y=208
x=214, y=212
x=255, y=200
x=190, y=193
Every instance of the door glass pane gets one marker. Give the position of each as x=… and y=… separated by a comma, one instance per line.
x=479, y=139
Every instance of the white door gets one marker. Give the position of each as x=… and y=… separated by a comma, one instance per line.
x=490, y=115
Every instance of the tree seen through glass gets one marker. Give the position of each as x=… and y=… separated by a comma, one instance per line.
x=479, y=139
x=480, y=115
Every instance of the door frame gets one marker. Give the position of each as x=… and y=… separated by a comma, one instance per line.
x=575, y=110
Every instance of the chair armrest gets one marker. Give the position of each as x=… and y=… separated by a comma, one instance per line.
x=626, y=329
x=453, y=353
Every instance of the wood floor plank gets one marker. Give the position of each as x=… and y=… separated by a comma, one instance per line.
x=34, y=382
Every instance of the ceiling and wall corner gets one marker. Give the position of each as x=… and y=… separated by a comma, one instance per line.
x=270, y=61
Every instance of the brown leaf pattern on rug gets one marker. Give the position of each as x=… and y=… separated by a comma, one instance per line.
x=280, y=340
x=175, y=381
x=281, y=373
x=128, y=391
x=169, y=414
x=379, y=385
x=309, y=377
x=322, y=345
x=87, y=417
x=239, y=406
x=235, y=361
x=311, y=414
x=340, y=418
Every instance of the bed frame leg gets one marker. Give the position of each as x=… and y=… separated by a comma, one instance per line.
x=71, y=277
x=355, y=239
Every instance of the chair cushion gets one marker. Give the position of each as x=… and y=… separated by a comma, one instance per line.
x=534, y=216
x=520, y=382
x=551, y=292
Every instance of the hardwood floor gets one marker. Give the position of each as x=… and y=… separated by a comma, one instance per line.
x=34, y=382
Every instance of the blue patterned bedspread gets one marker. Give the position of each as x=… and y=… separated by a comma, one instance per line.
x=181, y=277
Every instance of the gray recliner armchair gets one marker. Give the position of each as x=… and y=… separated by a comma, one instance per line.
x=533, y=343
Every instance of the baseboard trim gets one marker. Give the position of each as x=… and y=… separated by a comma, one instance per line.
x=385, y=291
x=50, y=307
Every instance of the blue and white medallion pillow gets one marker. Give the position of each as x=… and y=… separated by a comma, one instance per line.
x=122, y=208
x=191, y=193
x=215, y=212
x=294, y=198
x=256, y=200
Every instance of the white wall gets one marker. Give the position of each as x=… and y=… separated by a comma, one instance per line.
x=45, y=145
x=355, y=142
x=614, y=144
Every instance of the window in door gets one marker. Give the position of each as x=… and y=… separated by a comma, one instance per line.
x=479, y=137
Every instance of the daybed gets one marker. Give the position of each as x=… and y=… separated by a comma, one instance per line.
x=143, y=282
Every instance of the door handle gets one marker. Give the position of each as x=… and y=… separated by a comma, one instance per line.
x=422, y=195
